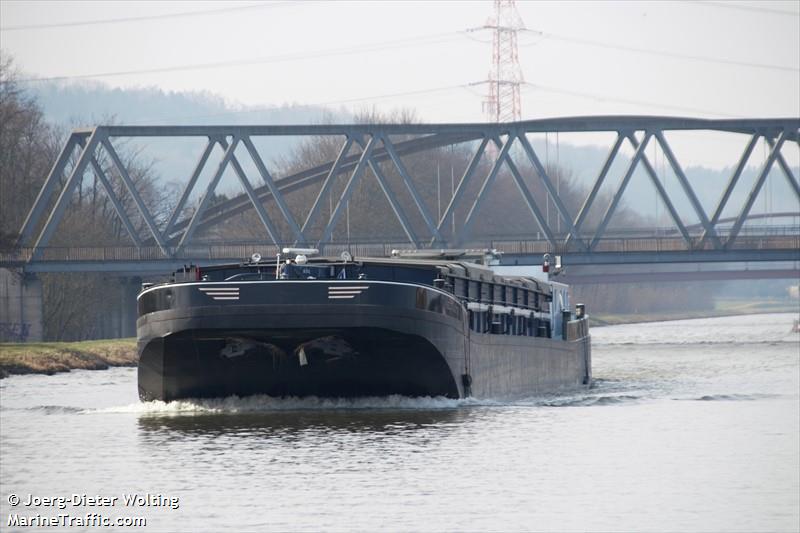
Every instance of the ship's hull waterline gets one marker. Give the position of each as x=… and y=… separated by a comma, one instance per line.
x=338, y=339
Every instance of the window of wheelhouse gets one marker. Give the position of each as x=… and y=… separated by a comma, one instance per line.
x=474, y=291
x=403, y=274
x=486, y=292
x=460, y=287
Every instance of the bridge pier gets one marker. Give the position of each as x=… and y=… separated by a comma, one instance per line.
x=127, y=322
x=21, y=309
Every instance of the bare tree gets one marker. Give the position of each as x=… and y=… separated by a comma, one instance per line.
x=75, y=305
x=27, y=146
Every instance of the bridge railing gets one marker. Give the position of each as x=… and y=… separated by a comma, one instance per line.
x=236, y=251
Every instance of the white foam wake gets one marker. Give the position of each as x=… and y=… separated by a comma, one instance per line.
x=262, y=403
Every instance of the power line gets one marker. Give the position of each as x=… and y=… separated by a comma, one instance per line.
x=465, y=86
x=393, y=95
x=143, y=17
x=664, y=53
x=387, y=45
x=741, y=7
x=605, y=98
x=251, y=110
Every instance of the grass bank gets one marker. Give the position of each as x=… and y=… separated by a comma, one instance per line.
x=722, y=307
x=52, y=357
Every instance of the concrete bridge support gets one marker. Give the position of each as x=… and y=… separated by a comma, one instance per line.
x=128, y=313
x=21, y=309
x=120, y=320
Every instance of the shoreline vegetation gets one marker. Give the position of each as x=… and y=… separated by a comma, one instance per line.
x=54, y=357
x=722, y=307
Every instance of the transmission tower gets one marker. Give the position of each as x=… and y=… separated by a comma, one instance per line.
x=503, y=103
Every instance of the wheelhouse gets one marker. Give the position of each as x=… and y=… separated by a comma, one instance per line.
x=496, y=305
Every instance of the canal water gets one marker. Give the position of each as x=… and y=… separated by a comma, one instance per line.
x=691, y=425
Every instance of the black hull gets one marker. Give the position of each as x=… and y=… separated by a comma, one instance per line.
x=391, y=338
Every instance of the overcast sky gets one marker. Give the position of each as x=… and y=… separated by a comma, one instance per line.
x=710, y=59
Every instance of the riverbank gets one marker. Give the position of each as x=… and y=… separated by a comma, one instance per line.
x=722, y=307
x=53, y=357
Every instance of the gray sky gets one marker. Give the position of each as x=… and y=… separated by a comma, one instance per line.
x=582, y=57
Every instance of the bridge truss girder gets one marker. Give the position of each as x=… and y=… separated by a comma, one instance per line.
x=373, y=145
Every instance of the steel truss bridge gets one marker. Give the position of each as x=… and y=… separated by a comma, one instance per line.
x=159, y=245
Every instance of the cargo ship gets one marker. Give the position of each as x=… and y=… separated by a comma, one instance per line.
x=432, y=323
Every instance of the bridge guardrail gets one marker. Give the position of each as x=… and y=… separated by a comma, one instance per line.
x=242, y=250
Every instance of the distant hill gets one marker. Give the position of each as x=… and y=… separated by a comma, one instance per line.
x=84, y=104
x=89, y=104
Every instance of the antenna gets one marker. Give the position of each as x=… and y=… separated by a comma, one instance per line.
x=503, y=104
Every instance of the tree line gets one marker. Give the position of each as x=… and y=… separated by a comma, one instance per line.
x=76, y=306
